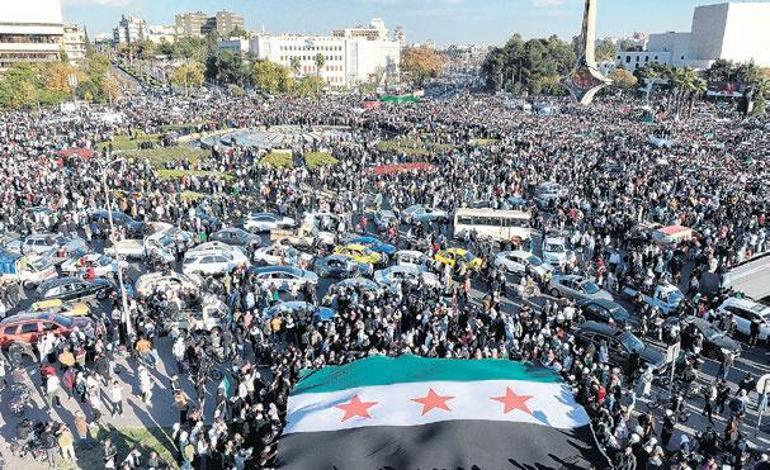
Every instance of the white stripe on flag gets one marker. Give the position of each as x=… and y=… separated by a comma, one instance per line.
x=550, y=404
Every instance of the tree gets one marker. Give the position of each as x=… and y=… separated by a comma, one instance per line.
x=296, y=65
x=722, y=70
x=309, y=86
x=111, y=88
x=421, y=63
x=320, y=61
x=623, y=79
x=228, y=68
x=271, y=78
x=189, y=74
x=18, y=87
x=606, y=50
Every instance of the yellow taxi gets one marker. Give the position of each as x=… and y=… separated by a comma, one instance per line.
x=358, y=253
x=452, y=256
x=79, y=309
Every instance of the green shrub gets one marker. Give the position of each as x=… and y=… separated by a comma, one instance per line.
x=172, y=174
x=317, y=159
x=159, y=156
x=278, y=159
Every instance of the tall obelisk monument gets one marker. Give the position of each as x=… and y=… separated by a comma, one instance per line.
x=586, y=79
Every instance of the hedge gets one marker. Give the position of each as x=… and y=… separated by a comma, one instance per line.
x=318, y=159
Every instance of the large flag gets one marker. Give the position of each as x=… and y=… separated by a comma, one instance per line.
x=412, y=413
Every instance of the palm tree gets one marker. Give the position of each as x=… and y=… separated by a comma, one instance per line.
x=320, y=61
x=295, y=65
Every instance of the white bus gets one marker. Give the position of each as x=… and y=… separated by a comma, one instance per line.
x=494, y=224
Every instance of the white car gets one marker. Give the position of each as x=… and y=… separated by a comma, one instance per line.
x=555, y=251
x=426, y=215
x=390, y=277
x=157, y=281
x=745, y=311
x=285, y=278
x=104, y=266
x=264, y=222
x=521, y=262
x=43, y=243
x=33, y=271
x=212, y=261
x=279, y=253
x=412, y=258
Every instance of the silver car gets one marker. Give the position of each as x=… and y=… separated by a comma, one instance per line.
x=576, y=288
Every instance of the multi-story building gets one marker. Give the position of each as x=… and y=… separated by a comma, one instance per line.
x=736, y=31
x=129, y=30
x=351, y=56
x=161, y=33
x=198, y=23
x=74, y=42
x=375, y=31
x=30, y=31
x=191, y=23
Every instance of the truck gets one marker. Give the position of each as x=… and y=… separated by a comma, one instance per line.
x=664, y=297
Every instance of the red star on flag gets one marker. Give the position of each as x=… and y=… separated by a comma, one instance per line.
x=356, y=407
x=433, y=400
x=511, y=401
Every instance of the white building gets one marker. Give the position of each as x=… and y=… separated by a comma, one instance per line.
x=161, y=33
x=351, y=56
x=30, y=30
x=74, y=43
x=235, y=45
x=129, y=30
x=734, y=31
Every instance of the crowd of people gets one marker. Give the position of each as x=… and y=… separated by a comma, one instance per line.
x=713, y=180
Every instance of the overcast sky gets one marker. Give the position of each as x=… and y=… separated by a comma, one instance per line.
x=443, y=21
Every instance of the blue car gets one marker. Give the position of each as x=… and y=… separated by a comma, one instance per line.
x=374, y=244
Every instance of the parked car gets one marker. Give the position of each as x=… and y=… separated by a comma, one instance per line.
x=376, y=245
x=603, y=310
x=30, y=271
x=362, y=284
x=385, y=218
x=716, y=343
x=744, y=312
x=523, y=262
x=665, y=297
x=555, y=251
x=213, y=261
x=103, y=265
x=547, y=192
x=157, y=281
x=414, y=258
x=425, y=215
x=236, y=237
x=341, y=267
x=285, y=278
x=27, y=328
x=280, y=253
x=44, y=243
x=57, y=306
x=119, y=219
x=391, y=277
x=257, y=222
x=620, y=345
x=576, y=288
x=359, y=254
x=453, y=256
x=72, y=288
x=299, y=308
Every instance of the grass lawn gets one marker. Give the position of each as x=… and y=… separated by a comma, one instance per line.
x=484, y=142
x=278, y=159
x=317, y=159
x=412, y=147
x=191, y=196
x=159, y=156
x=171, y=174
x=124, y=439
x=124, y=142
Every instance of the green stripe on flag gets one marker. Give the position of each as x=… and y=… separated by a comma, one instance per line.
x=379, y=370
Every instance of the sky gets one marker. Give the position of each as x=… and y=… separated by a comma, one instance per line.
x=445, y=22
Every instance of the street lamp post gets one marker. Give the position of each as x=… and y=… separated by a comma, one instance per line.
x=125, y=316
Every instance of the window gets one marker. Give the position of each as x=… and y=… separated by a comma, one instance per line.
x=29, y=328
x=628, y=59
x=10, y=330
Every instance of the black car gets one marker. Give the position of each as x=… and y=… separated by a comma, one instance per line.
x=237, y=237
x=603, y=310
x=715, y=341
x=338, y=266
x=73, y=288
x=620, y=345
x=119, y=219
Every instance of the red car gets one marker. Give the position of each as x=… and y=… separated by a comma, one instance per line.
x=27, y=328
